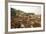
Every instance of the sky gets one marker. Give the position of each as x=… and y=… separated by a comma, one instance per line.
x=28, y=9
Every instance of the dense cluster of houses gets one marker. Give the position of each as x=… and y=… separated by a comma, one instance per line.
x=26, y=21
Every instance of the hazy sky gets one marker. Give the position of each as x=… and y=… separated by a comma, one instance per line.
x=28, y=9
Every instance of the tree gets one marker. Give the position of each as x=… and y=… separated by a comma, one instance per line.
x=13, y=12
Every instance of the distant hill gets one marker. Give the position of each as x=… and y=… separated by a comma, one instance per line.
x=15, y=12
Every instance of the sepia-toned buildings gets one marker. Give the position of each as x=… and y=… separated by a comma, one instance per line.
x=25, y=20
